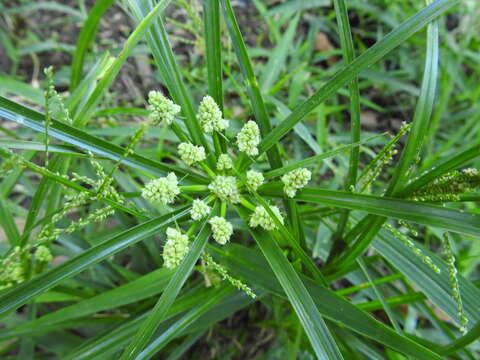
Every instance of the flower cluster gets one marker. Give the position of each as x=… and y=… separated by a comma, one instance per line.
x=199, y=210
x=210, y=116
x=161, y=108
x=175, y=248
x=254, y=180
x=162, y=190
x=225, y=188
x=449, y=187
x=295, y=180
x=261, y=217
x=224, y=162
x=43, y=254
x=228, y=183
x=14, y=266
x=191, y=153
x=248, y=138
x=221, y=229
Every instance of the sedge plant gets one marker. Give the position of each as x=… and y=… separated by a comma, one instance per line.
x=137, y=243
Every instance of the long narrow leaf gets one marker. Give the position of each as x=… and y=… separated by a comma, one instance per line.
x=322, y=341
x=421, y=213
x=350, y=71
x=23, y=293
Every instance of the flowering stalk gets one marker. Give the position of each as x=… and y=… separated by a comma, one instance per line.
x=454, y=284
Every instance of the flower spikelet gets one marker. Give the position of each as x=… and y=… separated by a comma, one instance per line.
x=199, y=210
x=12, y=271
x=161, y=108
x=43, y=254
x=191, y=153
x=210, y=116
x=225, y=188
x=248, y=138
x=222, y=229
x=260, y=217
x=224, y=162
x=175, y=248
x=295, y=180
x=162, y=190
x=254, y=180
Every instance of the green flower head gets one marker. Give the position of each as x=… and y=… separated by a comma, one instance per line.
x=222, y=230
x=248, y=138
x=295, y=180
x=224, y=162
x=175, y=248
x=191, y=153
x=161, y=108
x=199, y=210
x=43, y=254
x=162, y=190
x=225, y=188
x=260, y=217
x=210, y=116
x=254, y=180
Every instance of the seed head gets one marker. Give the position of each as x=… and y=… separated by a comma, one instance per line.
x=254, y=180
x=225, y=188
x=210, y=116
x=175, y=248
x=260, y=217
x=222, y=229
x=191, y=153
x=248, y=138
x=199, y=210
x=162, y=190
x=224, y=162
x=43, y=254
x=161, y=108
x=294, y=180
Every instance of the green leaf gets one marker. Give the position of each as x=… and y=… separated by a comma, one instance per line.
x=322, y=341
x=157, y=40
x=142, y=337
x=142, y=288
x=354, y=98
x=435, y=286
x=250, y=81
x=76, y=137
x=416, y=212
x=116, y=65
x=314, y=160
x=7, y=223
x=213, y=59
x=85, y=39
x=278, y=57
x=249, y=264
x=350, y=71
x=39, y=146
x=183, y=323
x=297, y=5
x=26, y=291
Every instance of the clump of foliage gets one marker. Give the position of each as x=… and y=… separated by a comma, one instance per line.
x=239, y=193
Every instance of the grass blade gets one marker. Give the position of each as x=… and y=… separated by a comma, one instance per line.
x=142, y=337
x=26, y=291
x=350, y=71
x=116, y=65
x=421, y=213
x=254, y=94
x=322, y=341
x=159, y=45
x=332, y=306
x=76, y=137
x=85, y=38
